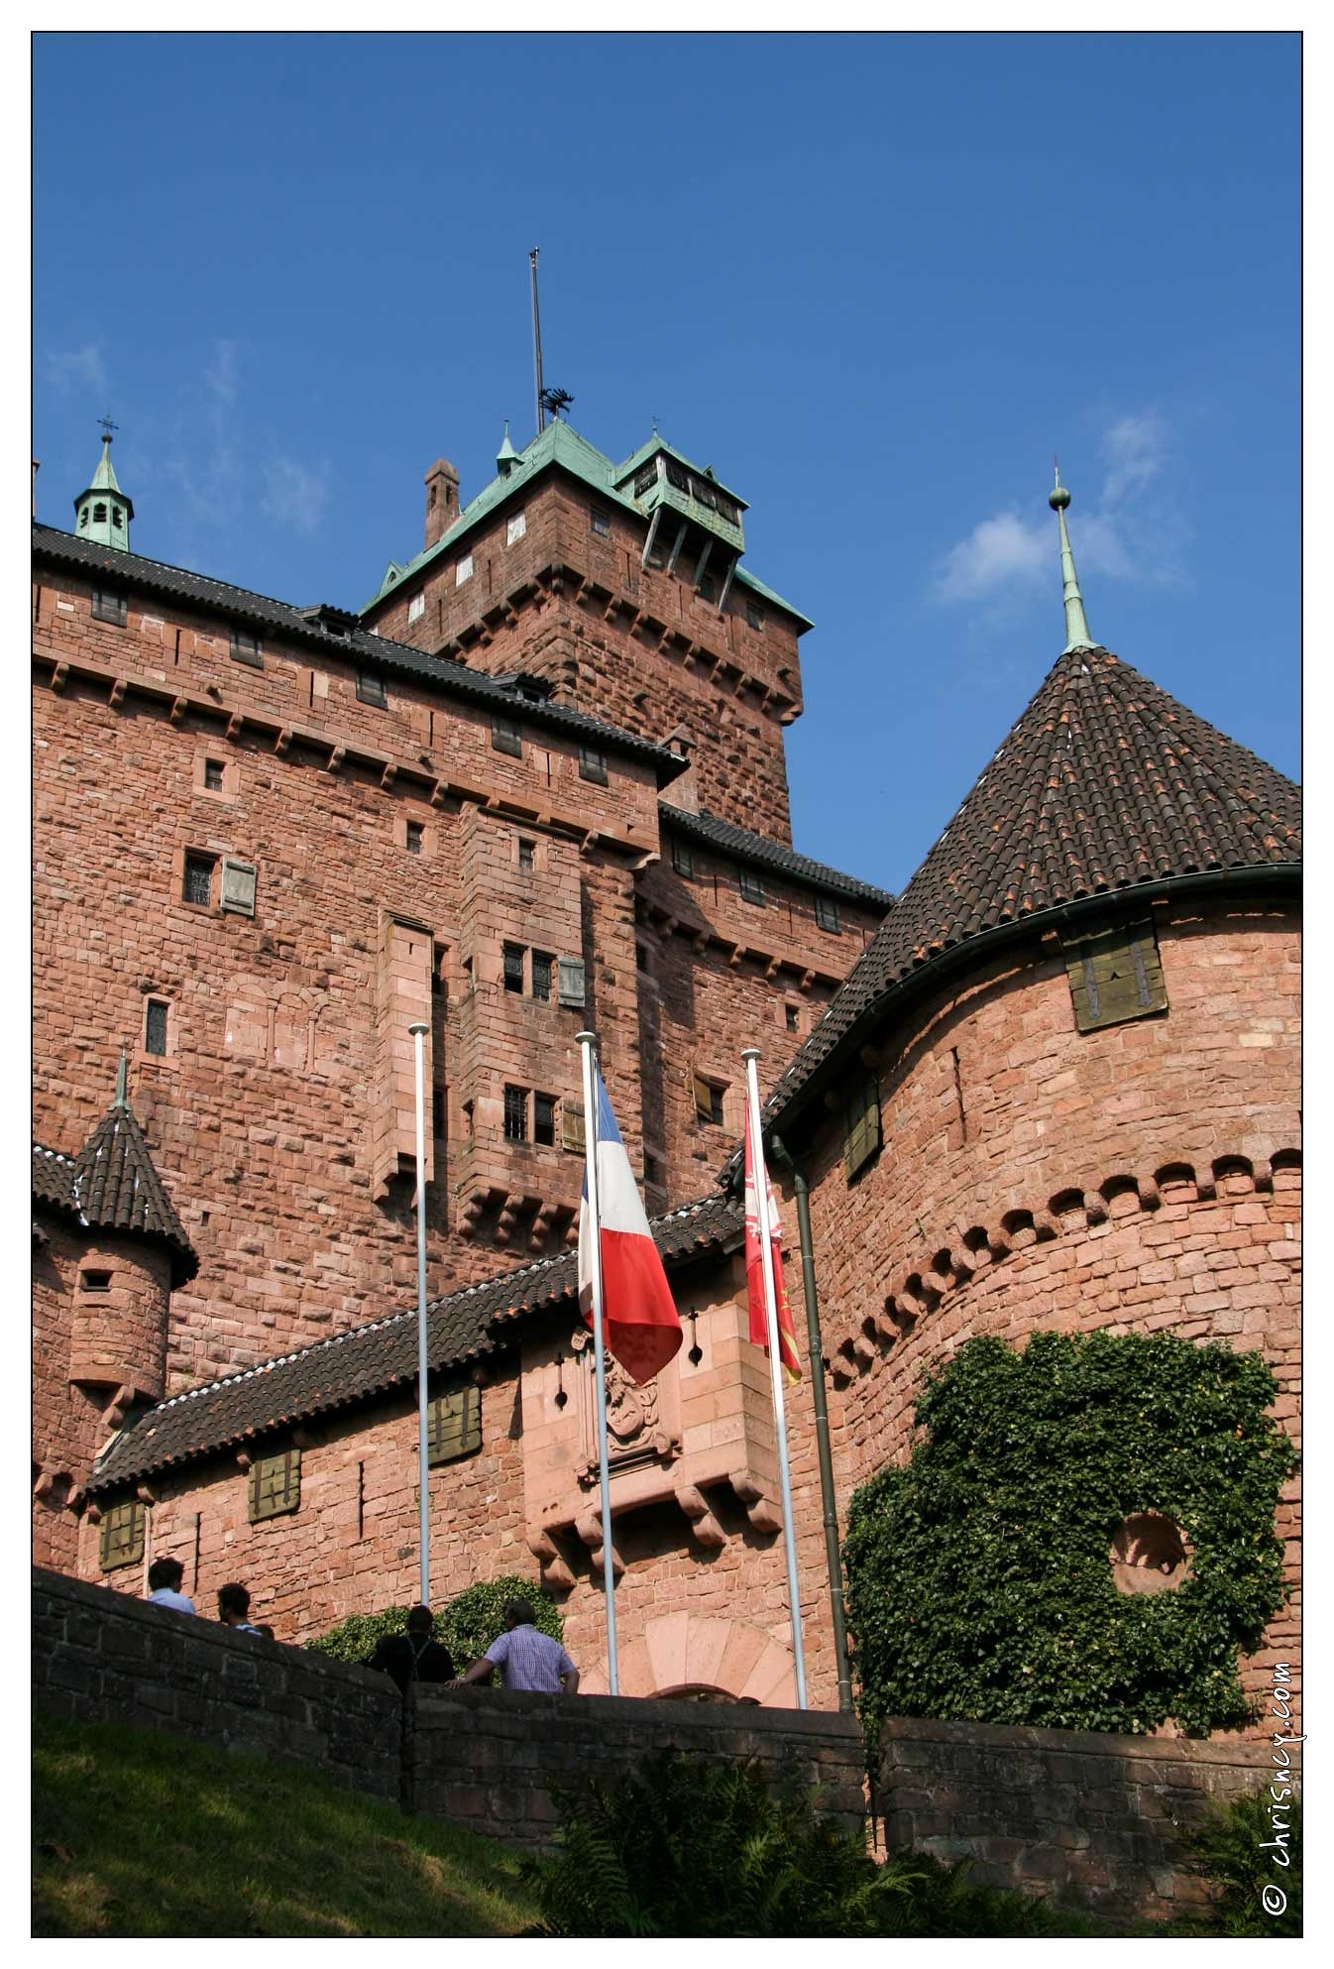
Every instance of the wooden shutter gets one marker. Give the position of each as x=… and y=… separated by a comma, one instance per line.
x=1115, y=976
x=572, y=1127
x=122, y=1539
x=454, y=1424
x=704, y=1091
x=275, y=1484
x=861, y=1123
x=570, y=980
x=239, y=883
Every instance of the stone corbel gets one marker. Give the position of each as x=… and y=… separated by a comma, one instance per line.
x=764, y=1513
x=555, y=1573
x=708, y=1532
x=589, y=1528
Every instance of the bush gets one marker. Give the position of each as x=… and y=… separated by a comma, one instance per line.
x=979, y=1587
x=676, y=1847
x=466, y=1625
x=1234, y=1850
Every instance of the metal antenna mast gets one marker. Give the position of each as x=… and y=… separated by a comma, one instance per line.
x=537, y=340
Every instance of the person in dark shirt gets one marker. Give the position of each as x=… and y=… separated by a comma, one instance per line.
x=414, y=1656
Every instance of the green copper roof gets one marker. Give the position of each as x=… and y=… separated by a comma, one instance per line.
x=102, y=512
x=559, y=444
x=656, y=444
x=1076, y=627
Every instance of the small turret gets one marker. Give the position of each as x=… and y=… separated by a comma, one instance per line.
x=507, y=457
x=102, y=512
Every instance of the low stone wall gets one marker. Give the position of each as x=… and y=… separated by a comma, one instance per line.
x=99, y=1656
x=484, y=1759
x=1056, y=1810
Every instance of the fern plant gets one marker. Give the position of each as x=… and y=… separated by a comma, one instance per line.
x=1235, y=1850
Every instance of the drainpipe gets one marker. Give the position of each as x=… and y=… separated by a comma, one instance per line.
x=816, y=1351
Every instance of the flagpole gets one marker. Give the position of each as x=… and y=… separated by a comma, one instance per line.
x=761, y=1180
x=419, y=1031
x=587, y=1041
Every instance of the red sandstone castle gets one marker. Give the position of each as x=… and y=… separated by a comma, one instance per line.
x=537, y=783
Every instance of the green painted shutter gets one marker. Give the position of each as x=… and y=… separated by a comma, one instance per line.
x=122, y=1540
x=861, y=1123
x=1115, y=976
x=454, y=1424
x=275, y=1484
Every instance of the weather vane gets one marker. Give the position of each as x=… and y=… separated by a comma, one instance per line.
x=107, y=426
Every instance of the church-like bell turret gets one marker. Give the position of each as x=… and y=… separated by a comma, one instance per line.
x=102, y=512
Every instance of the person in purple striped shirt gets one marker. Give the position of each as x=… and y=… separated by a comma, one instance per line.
x=525, y=1658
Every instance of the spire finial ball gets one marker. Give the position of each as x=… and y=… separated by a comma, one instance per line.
x=1059, y=498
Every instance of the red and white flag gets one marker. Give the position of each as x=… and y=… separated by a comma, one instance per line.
x=641, y=1325
x=759, y=1319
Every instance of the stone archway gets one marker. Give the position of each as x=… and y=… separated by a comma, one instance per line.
x=679, y=1652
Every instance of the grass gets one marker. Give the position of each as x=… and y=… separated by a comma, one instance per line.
x=140, y=1833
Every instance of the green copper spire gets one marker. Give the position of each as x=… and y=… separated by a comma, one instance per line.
x=1076, y=628
x=122, y=1081
x=507, y=457
x=102, y=512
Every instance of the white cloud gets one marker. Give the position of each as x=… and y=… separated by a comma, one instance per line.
x=1133, y=448
x=220, y=376
x=998, y=552
x=294, y=496
x=76, y=368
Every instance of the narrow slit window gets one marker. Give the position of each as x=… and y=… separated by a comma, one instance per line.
x=415, y=837
x=155, y=1026
x=527, y=853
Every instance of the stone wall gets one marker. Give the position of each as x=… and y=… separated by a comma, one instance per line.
x=483, y=1759
x=99, y=1658
x=1051, y=1811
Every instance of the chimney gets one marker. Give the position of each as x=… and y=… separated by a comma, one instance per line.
x=442, y=500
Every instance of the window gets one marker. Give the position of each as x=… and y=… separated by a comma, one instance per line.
x=83, y=517
x=790, y=1017
x=599, y=522
x=463, y=571
x=197, y=886
x=513, y=967
x=709, y=1100
x=506, y=736
x=371, y=690
x=240, y=880
x=754, y=619
x=213, y=775
x=592, y=765
x=861, y=1123
x=683, y=859
x=643, y=960
x=417, y=606
x=95, y=1281
x=1115, y=976
x=117, y=517
x=544, y=1120
x=751, y=886
x=109, y=607
x=527, y=853
x=650, y=1169
x=826, y=914
x=706, y=590
x=100, y=512
x=542, y=963
x=453, y=1424
x=646, y=478
x=247, y=649
x=570, y=980
x=516, y=1114
x=275, y=1484
x=518, y=526
x=155, y=1026
x=414, y=837
x=122, y=1539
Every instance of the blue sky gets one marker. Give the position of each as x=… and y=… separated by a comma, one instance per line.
x=873, y=280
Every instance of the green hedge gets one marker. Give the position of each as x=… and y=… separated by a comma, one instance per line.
x=467, y=1624
x=979, y=1586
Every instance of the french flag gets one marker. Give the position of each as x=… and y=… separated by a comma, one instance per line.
x=641, y=1327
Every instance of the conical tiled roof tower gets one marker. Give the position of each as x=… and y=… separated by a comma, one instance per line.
x=113, y=1186
x=1104, y=784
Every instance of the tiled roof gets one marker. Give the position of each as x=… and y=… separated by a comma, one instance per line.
x=1105, y=784
x=369, y=1360
x=742, y=845
x=111, y=1185
x=558, y=444
x=374, y=652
